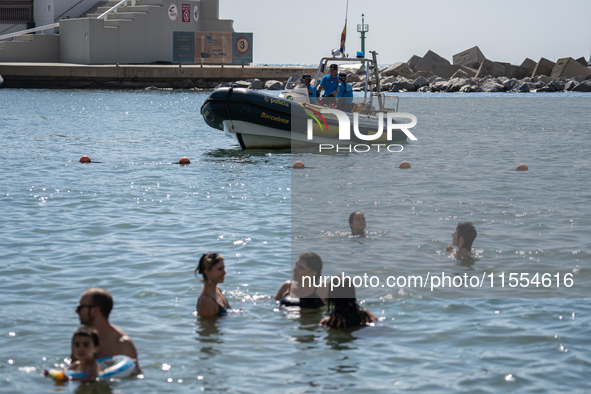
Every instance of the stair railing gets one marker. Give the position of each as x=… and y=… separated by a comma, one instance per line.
x=114, y=8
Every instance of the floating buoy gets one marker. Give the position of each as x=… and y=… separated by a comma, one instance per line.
x=522, y=167
x=184, y=160
x=404, y=164
x=299, y=164
x=85, y=159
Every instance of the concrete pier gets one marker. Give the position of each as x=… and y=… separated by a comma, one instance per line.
x=125, y=76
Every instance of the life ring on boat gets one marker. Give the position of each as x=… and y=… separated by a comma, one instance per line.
x=119, y=366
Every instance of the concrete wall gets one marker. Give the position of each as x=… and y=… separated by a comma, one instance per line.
x=43, y=13
x=31, y=48
x=137, y=35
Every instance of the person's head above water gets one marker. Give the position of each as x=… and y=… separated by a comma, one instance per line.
x=307, y=264
x=206, y=265
x=357, y=222
x=94, y=298
x=85, y=343
x=464, y=236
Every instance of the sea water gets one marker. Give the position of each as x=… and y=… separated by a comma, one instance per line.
x=136, y=223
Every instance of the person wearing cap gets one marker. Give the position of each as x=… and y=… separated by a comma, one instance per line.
x=330, y=82
x=311, y=88
x=344, y=93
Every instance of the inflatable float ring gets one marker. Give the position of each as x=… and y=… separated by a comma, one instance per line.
x=119, y=366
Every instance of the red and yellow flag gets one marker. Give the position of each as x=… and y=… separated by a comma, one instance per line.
x=343, y=38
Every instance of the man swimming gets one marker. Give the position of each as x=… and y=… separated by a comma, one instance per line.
x=93, y=310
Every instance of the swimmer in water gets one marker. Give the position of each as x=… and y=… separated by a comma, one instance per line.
x=211, y=301
x=301, y=291
x=463, y=238
x=343, y=309
x=357, y=223
x=85, y=345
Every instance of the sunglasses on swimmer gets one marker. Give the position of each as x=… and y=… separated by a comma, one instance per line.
x=79, y=306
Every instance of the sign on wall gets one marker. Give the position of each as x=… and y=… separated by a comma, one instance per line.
x=212, y=47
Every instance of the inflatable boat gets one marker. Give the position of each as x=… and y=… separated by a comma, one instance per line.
x=259, y=119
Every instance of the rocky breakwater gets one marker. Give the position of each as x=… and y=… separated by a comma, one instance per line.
x=472, y=72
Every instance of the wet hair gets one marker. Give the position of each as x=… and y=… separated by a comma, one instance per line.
x=467, y=231
x=343, y=309
x=313, y=261
x=102, y=299
x=85, y=331
x=352, y=217
x=206, y=262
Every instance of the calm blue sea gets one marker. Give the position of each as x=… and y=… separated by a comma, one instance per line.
x=136, y=224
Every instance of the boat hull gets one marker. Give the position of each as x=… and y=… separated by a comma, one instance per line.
x=261, y=121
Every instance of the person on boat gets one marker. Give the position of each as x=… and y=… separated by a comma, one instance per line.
x=357, y=223
x=463, y=238
x=93, y=310
x=312, y=91
x=330, y=83
x=211, y=301
x=303, y=290
x=344, y=93
x=343, y=309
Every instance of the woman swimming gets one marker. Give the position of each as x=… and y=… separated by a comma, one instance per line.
x=357, y=223
x=211, y=301
x=301, y=291
x=343, y=309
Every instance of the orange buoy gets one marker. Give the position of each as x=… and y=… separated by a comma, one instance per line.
x=85, y=159
x=184, y=160
x=404, y=164
x=299, y=164
x=522, y=167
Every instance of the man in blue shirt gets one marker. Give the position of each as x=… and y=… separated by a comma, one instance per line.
x=344, y=93
x=311, y=88
x=330, y=82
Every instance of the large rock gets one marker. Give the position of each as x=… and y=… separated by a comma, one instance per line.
x=403, y=83
x=470, y=58
x=528, y=63
x=570, y=85
x=456, y=84
x=412, y=62
x=544, y=67
x=460, y=74
x=255, y=83
x=488, y=67
x=426, y=74
x=420, y=82
x=430, y=59
x=543, y=78
x=582, y=61
x=584, y=86
x=445, y=70
x=273, y=85
x=522, y=87
x=517, y=72
x=400, y=68
x=568, y=67
x=510, y=84
x=492, y=86
x=242, y=84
